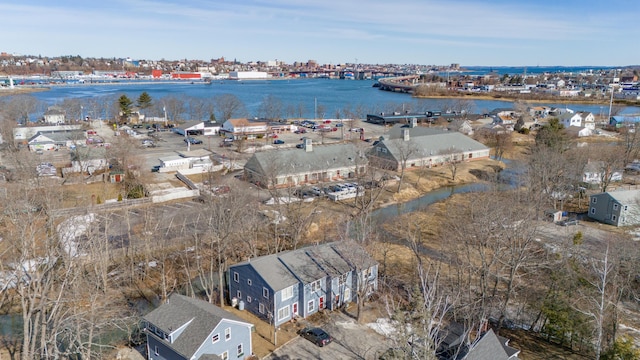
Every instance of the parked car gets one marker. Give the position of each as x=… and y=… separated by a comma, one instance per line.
x=316, y=336
x=278, y=142
x=299, y=146
x=568, y=222
x=148, y=143
x=155, y=168
x=192, y=140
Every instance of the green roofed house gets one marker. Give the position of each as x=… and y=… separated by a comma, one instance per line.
x=309, y=165
x=618, y=208
x=185, y=328
x=424, y=147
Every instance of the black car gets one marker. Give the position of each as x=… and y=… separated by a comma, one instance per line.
x=316, y=336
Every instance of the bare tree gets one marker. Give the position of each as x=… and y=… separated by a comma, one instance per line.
x=228, y=106
x=271, y=107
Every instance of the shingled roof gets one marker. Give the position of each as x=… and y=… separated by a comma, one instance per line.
x=199, y=316
x=429, y=141
x=309, y=264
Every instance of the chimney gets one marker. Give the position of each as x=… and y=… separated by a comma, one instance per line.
x=307, y=145
x=405, y=134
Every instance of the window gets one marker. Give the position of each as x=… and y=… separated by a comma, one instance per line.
x=236, y=277
x=594, y=200
x=248, y=298
x=240, y=351
x=347, y=294
x=283, y=313
x=261, y=308
x=343, y=279
x=215, y=338
x=239, y=294
x=384, y=150
x=227, y=334
x=249, y=282
x=311, y=306
x=366, y=274
x=225, y=355
x=615, y=206
x=613, y=218
x=265, y=292
x=593, y=210
x=155, y=350
x=315, y=286
x=287, y=293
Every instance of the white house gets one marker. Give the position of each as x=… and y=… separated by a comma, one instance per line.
x=54, y=115
x=597, y=171
x=588, y=120
x=570, y=119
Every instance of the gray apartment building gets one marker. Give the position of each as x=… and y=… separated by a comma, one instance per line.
x=618, y=208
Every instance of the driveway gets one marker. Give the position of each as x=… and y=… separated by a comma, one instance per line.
x=351, y=341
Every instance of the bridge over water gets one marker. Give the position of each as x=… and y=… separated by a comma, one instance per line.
x=405, y=83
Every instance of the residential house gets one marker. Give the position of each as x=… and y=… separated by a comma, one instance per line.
x=588, y=119
x=54, y=115
x=312, y=164
x=595, y=172
x=87, y=160
x=240, y=129
x=192, y=329
x=618, y=208
x=299, y=283
x=504, y=116
x=578, y=131
x=490, y=346
x=424, y=147
x=539, y=111
x=570, y=119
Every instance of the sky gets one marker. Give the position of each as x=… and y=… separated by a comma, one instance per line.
x=427, y=32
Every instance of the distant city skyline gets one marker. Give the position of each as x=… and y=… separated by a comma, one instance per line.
x=439, y=32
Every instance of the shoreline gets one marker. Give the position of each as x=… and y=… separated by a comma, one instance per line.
x=536, y=101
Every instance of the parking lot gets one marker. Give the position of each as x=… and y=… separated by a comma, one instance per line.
x=350, y=341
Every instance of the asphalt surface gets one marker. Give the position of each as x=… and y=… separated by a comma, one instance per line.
x=351, y=341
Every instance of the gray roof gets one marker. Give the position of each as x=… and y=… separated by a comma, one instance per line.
x=428, y=141
x=273, y=271
x=201, y=316
x=61, y=136
x=291, y=161
x=489, y=347
x=625, y=196
x=309, y=264
x=190, y=124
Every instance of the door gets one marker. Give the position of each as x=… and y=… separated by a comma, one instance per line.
x=321, y=304
x=294, y=308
